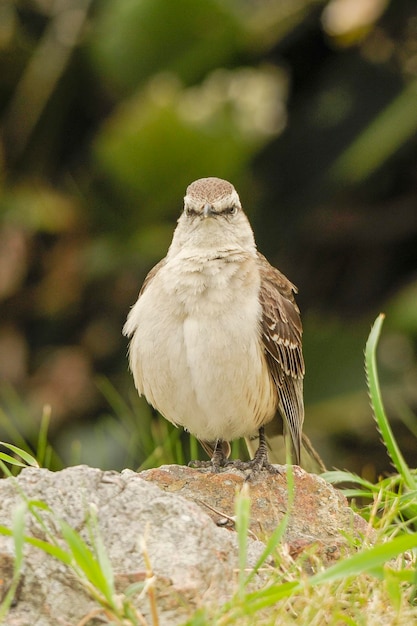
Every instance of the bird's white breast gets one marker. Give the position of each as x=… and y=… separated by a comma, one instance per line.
x=196, y=353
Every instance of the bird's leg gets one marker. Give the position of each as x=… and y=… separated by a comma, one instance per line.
x=259, y=461
x=217, y=461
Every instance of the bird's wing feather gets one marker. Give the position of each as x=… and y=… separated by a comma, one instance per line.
x=131, y=324
x=151, y=274
x=281, y=337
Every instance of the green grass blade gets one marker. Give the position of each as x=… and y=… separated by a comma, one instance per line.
x=17, y=532
x=279, y=532
x=242, y=509
x=267, y=597
x=271, y=544
x=11, y=460
x=42, y=450
x=371, y=561
x=102, y=556
x=378, y=407
x=85, y=561
x=45, y=546
x=384, y=136
x=117, y=402
x=27, y=458
x=340, y=476
x=194, y=451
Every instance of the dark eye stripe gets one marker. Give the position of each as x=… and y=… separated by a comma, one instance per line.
x=230, y=210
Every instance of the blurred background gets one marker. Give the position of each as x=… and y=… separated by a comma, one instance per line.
x=108, y=110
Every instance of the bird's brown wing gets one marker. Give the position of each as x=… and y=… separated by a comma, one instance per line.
x=281, y=336
x=150, y=275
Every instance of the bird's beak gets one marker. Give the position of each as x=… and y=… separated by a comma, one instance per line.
x=207, y=211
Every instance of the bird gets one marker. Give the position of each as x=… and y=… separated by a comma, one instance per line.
x=216, y=334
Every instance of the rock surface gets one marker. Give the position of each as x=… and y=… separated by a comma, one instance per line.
x=191, y=556
x=318, y=515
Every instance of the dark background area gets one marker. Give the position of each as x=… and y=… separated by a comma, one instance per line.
x=108, y=110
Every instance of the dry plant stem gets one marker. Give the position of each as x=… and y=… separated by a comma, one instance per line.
x=150, y=583
x=230, y=518
x=90, y=616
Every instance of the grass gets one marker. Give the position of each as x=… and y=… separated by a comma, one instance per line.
x=377, y=584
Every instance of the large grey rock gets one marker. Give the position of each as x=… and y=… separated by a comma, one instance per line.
x=190, y=556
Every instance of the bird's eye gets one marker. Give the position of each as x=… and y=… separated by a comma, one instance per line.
x=189, y=211
x=232, y=210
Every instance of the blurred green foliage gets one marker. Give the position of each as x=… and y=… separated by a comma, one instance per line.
x=108, y=110
x=132, y=41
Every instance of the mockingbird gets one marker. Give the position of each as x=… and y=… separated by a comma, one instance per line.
x=216, y=334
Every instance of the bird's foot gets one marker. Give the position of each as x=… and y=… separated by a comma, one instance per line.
x=217, y=462
x=214, y=464
x=255, y=466
x=260, y=460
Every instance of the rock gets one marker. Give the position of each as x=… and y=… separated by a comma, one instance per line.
x=318, y=516
x=191, y=557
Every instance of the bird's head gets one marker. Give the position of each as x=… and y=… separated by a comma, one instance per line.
x=213, y=218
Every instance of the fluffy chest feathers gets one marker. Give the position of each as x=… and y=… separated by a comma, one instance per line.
x=205, y=287
x=195, y=351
